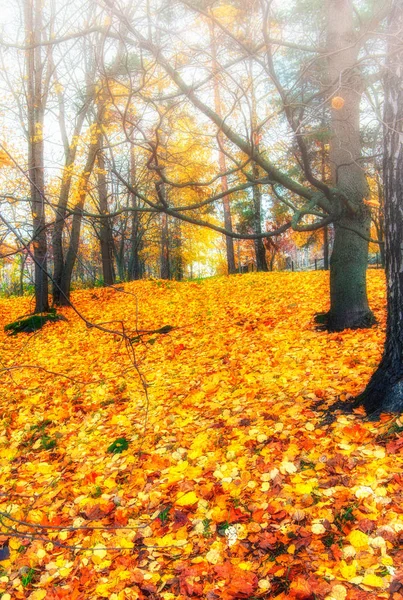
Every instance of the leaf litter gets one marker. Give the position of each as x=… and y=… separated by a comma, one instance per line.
x=225, y=481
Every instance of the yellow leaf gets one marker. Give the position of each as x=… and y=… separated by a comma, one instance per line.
x=99, y=551
x=110, y=483
x=373, y=581
x=288, y=467
x=348, y=571
x=103, y=590
x=14, y=543
x=303, y=488
x=358, y=539
x=187, y=499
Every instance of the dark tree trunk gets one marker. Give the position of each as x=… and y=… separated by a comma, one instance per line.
x=384, y=392
x=71, y=256
x=165, y=268
x=326, y=248
x=260, y=250
x=176, y=254
x=324, y=172
x=135, y=267
x=229, y=242
x=58, y=228
x=65, y=282
x=348, y=295
x=348, y=267
x=380, y=224
x=105, y=229
x=36, y=94
x=120, y=259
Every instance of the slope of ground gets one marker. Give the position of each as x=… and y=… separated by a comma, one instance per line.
x=195, y=462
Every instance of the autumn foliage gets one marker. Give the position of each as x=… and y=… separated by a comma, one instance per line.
x=200, y=462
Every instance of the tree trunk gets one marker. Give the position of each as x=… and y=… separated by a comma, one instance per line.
x=65, y=280
x=384, y=392
x=348, y=296
x=120, y=259
x=260, y=250
x=348, y=266
x=105, y=230
x=36, y=95
x=324, y=172
x=58, y=228
x=380, y=224
x=135, y=267
x=165, y=268
x=326, y=248
x=229, y=242
x=177, y=258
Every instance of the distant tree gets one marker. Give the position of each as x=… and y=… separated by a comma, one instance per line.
x=229, y=242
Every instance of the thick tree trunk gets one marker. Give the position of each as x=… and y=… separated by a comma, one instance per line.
x=384, y=392
x=348, y=267
x=348, y=296
x=105, y=230
x=324, y=173
x=36, y=95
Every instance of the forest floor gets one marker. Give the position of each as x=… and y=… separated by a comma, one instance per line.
x=197, y=463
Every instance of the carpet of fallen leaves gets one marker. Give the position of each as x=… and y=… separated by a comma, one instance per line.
x=225, y=480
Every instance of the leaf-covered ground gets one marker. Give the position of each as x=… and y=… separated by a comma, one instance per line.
x=226, y=481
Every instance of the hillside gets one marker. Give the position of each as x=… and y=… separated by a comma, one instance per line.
x=195, y=462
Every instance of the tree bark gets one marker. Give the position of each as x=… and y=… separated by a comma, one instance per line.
x=177, y=258
x=349, y=306
x=326, y=248
x=36, y=98
x=58, y=228
x=165, y=272
x=229, y=242
x=135, y=267
x=71, y=256
x=260, y=250
x=105, y=229
x=384, y=392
